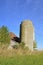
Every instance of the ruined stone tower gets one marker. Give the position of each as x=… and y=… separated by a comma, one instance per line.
x=27, y=33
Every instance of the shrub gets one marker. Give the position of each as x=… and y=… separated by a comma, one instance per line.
x=22, y=45
x=4, y=35
x=16, y=46
x=34, y=44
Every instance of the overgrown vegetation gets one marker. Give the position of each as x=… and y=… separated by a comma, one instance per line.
x=4, y=35
x=22, y=45
x=36, y=59
x=34, y=44
x=16, y=46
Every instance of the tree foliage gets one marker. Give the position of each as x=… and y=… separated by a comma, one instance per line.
x=4, y=35
x=34, y=44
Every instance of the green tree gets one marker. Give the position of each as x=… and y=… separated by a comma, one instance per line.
x=4, y=35
x=34, y=44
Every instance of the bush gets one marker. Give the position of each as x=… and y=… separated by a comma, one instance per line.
x=34, y=44
x=22, y=45
x=15, y=46
x=4, y=35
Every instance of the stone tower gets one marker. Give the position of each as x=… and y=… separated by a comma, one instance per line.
x=27, y=33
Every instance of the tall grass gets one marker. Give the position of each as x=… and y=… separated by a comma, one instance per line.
x=22, y=60
x=20, y=57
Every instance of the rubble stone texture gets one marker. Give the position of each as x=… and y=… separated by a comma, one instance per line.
x=27, y=33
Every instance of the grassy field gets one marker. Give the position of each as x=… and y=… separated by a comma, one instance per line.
x=22, y=60
x=20, y=57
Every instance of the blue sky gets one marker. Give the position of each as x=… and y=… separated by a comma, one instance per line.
x=12, y=12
